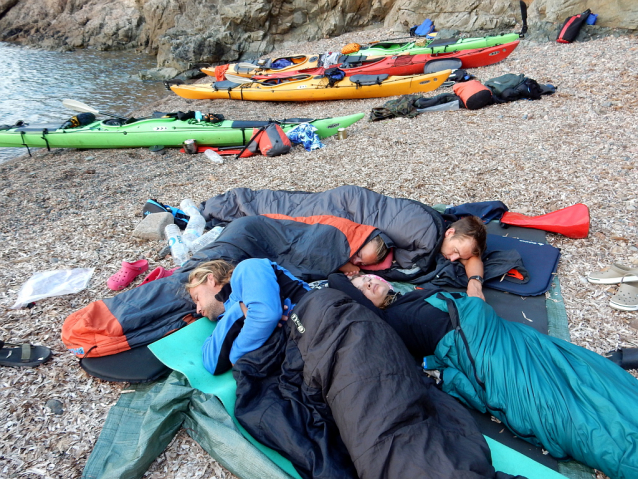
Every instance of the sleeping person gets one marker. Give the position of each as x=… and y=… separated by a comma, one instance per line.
x=565, y=398
x=333, y=390
x=417, y=231
x=463, y=241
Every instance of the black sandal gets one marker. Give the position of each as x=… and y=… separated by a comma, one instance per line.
x=23, y=355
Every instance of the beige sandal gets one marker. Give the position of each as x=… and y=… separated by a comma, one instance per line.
x=616, y=273
x=626, y=298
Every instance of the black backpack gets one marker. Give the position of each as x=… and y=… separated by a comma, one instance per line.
x=528, y=88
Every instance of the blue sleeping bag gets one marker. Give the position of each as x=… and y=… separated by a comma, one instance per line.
x=565, y=398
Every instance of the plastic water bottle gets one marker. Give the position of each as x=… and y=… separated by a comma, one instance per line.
x=206, y=239
x=179, y=251
x=196, y=222
x=213, y=156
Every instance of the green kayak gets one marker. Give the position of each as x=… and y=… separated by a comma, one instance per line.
x=438, y=45
x=155, y=131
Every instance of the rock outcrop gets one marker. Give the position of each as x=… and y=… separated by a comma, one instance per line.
x=181, y=32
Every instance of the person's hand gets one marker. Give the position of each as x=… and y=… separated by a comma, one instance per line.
x=349, y=269
x=284, y=317
x=475, y=289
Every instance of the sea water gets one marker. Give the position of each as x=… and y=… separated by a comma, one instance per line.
x=34, y=82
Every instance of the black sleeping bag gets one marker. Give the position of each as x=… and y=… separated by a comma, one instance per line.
x=337, y=393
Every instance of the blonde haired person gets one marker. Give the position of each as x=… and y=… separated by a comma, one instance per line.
x=247, y=301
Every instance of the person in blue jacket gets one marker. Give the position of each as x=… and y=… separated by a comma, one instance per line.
x=247, y=301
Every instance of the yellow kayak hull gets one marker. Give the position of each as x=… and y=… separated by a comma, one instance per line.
x=314, y=89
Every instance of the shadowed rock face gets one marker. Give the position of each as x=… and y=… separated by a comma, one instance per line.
x=184, y=31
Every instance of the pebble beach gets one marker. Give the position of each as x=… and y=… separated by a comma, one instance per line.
x=69, y=208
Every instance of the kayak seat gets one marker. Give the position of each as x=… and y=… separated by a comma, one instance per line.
x=352, y=61
x=440, y=64
x=365, y=80
x=226, y=85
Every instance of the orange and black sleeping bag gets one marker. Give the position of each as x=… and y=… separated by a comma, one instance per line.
x=309, y=247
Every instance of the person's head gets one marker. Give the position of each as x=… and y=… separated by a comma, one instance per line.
x=205, y=282
x=372, y=252
x=464, y=238
x=375, y=288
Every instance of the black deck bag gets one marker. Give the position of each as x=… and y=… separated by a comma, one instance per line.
x=570, y=29
x=334, y=75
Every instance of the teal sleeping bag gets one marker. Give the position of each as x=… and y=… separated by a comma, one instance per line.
x=565, y=398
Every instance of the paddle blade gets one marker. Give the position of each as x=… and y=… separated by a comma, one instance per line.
x=78, y=106
x=237, y=78
x=247, y=65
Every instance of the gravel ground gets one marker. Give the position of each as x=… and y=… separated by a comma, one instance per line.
x=76, y=209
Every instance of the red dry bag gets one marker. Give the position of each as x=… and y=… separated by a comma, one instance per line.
x=572, y=221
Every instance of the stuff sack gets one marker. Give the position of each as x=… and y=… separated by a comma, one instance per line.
x=334, y=75
x=570, y=29
x=351, y=48
x=269, y=140
x=82, y=119
x=273, y=141
x=473, y=94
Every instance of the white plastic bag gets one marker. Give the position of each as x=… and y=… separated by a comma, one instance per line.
x=53, y=283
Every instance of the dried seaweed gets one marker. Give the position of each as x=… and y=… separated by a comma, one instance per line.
x=77, y=209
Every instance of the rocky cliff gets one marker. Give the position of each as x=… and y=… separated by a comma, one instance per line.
x=181, y=32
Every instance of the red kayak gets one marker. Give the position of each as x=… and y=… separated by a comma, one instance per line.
x=399, y=65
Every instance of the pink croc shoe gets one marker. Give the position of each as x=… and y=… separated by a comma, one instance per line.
x=127, y=273
x=157, y=273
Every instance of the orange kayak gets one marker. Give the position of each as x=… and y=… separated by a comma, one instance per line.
x=268, y=65
x=314, y=88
